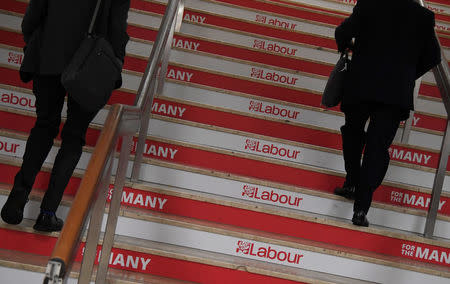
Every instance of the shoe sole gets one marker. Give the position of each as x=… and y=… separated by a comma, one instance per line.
x=360, y=225
x=45, y=229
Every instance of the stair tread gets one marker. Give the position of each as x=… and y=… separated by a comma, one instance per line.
x=38, y=263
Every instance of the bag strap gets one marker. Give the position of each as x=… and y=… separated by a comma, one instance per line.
x=94, y=16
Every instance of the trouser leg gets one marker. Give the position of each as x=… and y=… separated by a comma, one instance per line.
x=73, y=140
x=383, y=125
x=49, y=102
x=353, y=141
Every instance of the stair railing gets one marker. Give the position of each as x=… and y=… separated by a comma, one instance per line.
x=442, y=77
x=122, y=123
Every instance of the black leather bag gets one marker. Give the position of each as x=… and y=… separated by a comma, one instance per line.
x=93, y=71
x=334, y=89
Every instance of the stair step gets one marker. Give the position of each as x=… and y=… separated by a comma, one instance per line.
x=183, y=263
x=245, y=243
x=268, y=218
x=31, y=268
x=394, y=191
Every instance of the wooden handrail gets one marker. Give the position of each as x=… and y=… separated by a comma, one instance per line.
x=68, y=240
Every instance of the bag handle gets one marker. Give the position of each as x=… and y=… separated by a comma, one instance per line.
x=94, y=17
x=346, y=60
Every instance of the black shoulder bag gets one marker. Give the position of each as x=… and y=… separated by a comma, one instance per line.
x=334, y=89
x=91, y=75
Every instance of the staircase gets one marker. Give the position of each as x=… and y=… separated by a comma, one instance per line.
x=241, y=159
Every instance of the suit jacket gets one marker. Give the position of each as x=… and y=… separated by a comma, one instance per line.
x=394, y=45
x=53, y=31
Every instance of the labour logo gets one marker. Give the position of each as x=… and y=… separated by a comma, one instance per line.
x=260, y=44
x=15, y=58
x=251, y=144
x=243, y=247
x=255, y=106
x=261, y=19
x=249, y=190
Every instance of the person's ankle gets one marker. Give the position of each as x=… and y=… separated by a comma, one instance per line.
x=47, y=212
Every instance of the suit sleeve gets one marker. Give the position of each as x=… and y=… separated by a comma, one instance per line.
x=430, y=55
x=348, y=28
x=117, y=31
x=34, y=15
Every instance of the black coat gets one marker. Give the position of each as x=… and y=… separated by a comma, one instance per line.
x=395, y=44
x=54, y=29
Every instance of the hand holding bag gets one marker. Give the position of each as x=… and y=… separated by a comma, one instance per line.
x=334, y=89
x=91, y=75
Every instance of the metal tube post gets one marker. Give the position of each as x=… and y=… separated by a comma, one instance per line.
x=114, y=209
x=90, y=249
x=437, y=185
x=149, y=83
x=409, y=121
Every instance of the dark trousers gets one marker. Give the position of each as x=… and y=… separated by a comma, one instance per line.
x=368, y=175
x=50, y=96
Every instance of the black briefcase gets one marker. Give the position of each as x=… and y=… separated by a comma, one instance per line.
x=334, y=89
x=92, y=73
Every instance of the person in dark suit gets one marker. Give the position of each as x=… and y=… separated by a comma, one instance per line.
x=53, y=30
x=392, y=45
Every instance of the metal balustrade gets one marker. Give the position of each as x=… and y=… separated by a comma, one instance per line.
x=442, y=77
x=122, y=123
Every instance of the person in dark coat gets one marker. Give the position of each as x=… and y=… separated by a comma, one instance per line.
x=392, y=45
x=53, y=30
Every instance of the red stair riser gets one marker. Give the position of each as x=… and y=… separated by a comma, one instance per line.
x=11, y=77
x=301, y=14
x=13, y=6
x=8, y=172
x=24, y=124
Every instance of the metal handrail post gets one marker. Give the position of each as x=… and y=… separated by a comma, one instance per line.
x=442, y=75
x=165, y=60
x=145, y=103
x=139, y=150
x=409, y=122
x=438, y=184
x=95, y=222
x=114, y=209
x=176, y=25
x=152, y=64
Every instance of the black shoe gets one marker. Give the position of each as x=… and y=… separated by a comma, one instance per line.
x=360, y=219
x=48, y=223
x=346, y=191
x=12, y=211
